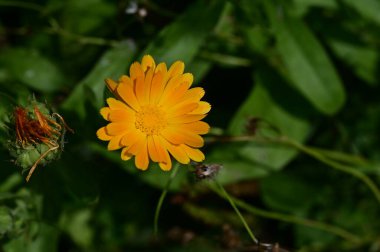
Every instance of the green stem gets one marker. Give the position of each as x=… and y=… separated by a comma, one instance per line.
x=329, y=158
x=21, y=4
x=162, y=197
x=292, y=219
x=231, y=201
x=57, y=29
x=338, y=166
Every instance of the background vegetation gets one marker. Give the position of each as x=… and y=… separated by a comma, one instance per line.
x=306, y=67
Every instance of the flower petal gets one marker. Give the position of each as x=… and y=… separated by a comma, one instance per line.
x=125, y=155
x=195, y=94
x=181, y=109
x=141, y=91
x=147, y=62
x=112, y=85
x=115, y=129
x=203, y=108
x=103, y=135
x=166, y=164
x=105, y=113
x=114, y=143
x=152, y=150
x=176, y=96
x=185, y=119
x=194, y=154
x=138, y=144
x=135, y=71
x=157, y=87
x=122, y=115
x=199, y=127
x=177, y=152
x=161, y=68
x=126, y=80
x=176, y=69
x=176, y=135
x=142, y=159
x=116, y=104
x=126, y=93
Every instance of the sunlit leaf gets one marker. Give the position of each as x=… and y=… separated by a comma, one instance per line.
x=369, y=9
x=32, y=69
x=362, y=59
x=309, y=67
x=271, y=101
x=182, y=39
x=112, y=64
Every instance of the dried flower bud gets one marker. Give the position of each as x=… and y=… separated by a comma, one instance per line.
x=252, y=125
x=37, y=136
x=206, y=171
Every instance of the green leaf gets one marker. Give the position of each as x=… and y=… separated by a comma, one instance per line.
x=308, y=65
x=32, y=69
x=296, y=194
x=77, y=225
x=301, y=7
x=153, y=175
x=361, y=58
x=46, y=241
x=369, y=9
x=273, y=101
x=182, y=39
x=112, y=64
x=5, y=221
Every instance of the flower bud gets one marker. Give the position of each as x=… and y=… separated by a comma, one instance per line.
x=36, y=136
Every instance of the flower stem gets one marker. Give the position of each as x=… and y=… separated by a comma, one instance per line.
x=292, y=219
x=338, y=166
x=331, y=158
x=162, y=197
x=223, y=192
x=22, y=4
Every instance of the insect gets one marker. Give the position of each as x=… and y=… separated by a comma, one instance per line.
x=206, y=171
x=37, y=131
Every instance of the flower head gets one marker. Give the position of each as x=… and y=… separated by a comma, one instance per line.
x=37, y=136
x=155, y=114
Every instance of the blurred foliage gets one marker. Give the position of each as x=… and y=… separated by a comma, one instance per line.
x=309, y=68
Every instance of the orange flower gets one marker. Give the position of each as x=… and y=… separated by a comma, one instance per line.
x=155, y=113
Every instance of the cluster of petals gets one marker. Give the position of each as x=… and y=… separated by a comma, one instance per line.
x=155, y=115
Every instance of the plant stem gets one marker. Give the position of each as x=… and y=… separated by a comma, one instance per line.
x=57, y=29
x=231, y=201
x=341, y=167
x=21, y=4
x=162, y=197
x=327, y=157
x=292, y=219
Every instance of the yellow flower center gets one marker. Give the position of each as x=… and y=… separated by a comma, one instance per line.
x=150, y=120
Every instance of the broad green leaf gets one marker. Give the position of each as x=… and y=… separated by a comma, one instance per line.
x=272, y=101
x=153, y=176
x=87, y=15
x=46, y=241
x=369, y=9
x=31, y=68
x=77, y=225
x=362, y=59
x=112, y=64
x=182, y=39
x=5, y=221
x=309, y=67
x=296, y=194
x=301, y=7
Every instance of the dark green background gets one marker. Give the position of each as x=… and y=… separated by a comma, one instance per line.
x=308, y=67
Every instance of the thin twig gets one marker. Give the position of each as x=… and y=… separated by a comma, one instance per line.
x=231, y=201
x=162, y=197
x=292, y=219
